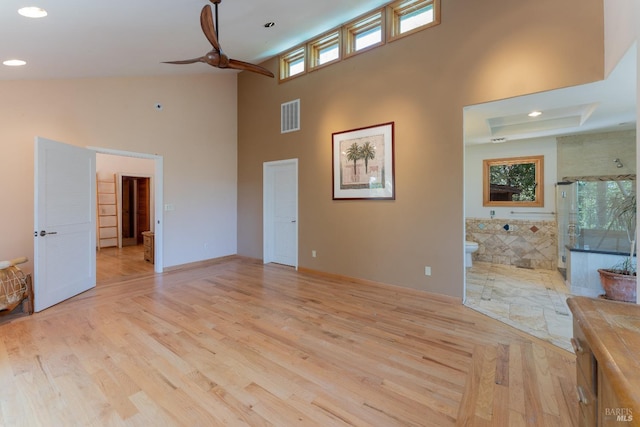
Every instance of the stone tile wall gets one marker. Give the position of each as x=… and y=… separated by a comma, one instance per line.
x=523, y=243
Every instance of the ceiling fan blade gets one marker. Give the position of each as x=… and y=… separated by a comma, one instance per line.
x=245, y=66
x=208, y=28
x=185, y=61
x=216, y=58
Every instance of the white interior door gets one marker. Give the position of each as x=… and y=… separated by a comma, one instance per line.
x=65, y=222
x=280, y=200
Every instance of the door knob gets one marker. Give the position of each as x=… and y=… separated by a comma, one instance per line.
x=44, y=233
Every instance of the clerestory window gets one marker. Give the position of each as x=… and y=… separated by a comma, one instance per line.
x=292, y=63
x=398, y=19
x=364, y=33
x=407, y=16
x=324, y=50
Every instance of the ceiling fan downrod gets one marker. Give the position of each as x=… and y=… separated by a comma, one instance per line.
x=216, y=3
x=215, y=57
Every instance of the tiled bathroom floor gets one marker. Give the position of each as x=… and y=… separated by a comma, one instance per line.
x=533, y=301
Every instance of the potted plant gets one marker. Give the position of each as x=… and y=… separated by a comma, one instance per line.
x=620, y=281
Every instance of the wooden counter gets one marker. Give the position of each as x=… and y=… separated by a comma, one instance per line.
x=607, y=345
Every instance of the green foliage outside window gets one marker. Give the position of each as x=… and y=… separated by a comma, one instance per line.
x=597, y=201
x=521, y=176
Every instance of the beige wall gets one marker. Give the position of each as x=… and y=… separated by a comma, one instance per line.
x=621, y=30
x=482, y=51
x=196, y=133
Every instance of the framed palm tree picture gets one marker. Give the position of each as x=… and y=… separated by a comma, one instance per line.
x=363, y=165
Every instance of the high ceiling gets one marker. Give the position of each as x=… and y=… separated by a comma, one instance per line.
x=93, y=38
x=606, y=105
x=80, y=39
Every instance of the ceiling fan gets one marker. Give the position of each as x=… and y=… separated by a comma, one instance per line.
x=215, y=57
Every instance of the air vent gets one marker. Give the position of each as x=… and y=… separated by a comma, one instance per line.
x=290, y=116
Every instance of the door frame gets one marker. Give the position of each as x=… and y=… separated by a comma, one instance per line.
x=267, y=214
x=119, y=176
x=158, y=188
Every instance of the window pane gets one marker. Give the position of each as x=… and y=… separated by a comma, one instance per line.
x=513, y=183
x=416, y=19
x=328, y=54
x=296, y=66
x=600, y=226
x=368, y=38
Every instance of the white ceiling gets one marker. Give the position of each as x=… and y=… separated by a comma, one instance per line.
x=93, y=38
x=90, y=38
x=601, y=106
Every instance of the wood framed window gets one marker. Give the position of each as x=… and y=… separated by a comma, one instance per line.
x=408, y=16
x=393, y=21
x=292, y=63
x=324, y=50
x=364, y=33
x=515, y=182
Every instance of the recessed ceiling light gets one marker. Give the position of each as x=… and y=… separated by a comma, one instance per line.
x=14, y=62
x=535, y=113
x=270, y=24
x=32, y=12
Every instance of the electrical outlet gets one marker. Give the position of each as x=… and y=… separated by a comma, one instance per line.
x=313, y=253
x=427, y=271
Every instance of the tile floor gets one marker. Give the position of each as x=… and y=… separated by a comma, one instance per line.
x=533, y=301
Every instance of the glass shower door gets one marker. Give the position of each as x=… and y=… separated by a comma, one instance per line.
x=566, y=217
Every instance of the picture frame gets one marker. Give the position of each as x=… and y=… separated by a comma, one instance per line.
x=363, y=163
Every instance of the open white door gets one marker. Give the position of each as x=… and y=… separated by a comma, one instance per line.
x=280, y=199
x=65, y=222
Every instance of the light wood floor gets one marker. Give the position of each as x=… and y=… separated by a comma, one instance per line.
x=240, y=343
x=115, y=263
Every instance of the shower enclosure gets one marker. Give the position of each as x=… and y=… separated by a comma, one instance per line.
x=566, y=217
x=585, y=218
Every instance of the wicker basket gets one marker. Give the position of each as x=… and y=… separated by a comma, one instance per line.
x=15, y=286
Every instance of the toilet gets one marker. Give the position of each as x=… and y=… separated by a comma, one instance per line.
x=469, y=248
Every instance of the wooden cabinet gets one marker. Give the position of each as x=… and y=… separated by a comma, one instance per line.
x=606, y=339
x=148, y=242
x=586, y=377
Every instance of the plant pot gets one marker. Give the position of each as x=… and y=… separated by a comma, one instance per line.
x=618, y=287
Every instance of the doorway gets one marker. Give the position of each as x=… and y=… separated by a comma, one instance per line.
x=139, y=178
x=135, y=209
x=280, y=210
x=533, y=299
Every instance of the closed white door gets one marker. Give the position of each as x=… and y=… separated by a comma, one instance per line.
x=65, y=222
x=281, y=212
